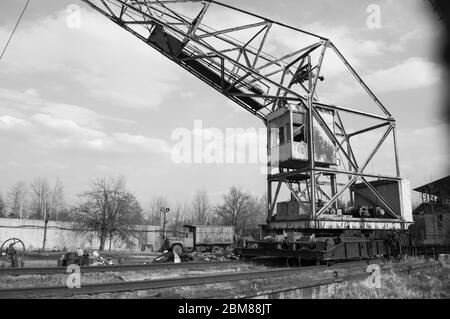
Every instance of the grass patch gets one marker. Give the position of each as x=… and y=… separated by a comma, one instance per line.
x=429, y=283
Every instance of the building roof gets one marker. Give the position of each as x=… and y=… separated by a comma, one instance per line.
x=439, y=188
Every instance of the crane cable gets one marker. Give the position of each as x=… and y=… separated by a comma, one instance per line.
x=14, y=30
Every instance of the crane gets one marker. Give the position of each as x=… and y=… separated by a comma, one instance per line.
x=278, y=82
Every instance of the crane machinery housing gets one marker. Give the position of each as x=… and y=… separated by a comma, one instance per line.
x=320, y=149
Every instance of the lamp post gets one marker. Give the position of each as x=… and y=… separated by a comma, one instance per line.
x=164, y=211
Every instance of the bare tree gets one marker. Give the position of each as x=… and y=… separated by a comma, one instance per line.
x=255, y=216
x=235, y=208
x=46, y=201
x=16, y=199
x=54, y=207
x=153, y=214
x=243, y=211
x=56, y=200
x=40, y=198
x=179, y=217
x=2, y=207
x=110, y=210
x=201, y=208
x=40, y=201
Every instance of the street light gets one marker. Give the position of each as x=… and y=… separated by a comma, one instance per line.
x=164, y=210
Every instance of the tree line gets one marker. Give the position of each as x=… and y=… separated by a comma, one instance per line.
x=237, y=208
x=39, y=199
x=111, y=210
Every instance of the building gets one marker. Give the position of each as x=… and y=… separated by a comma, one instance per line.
x=432, y=217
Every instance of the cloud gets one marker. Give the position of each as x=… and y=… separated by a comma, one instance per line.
x=424, y=153
x=99, y=59
x=349, y=41
x=10, y=122
x=80, y=115
x=17, y=103
x=68, y=134
x=110, y=65
x=60, y=127
x=19, y=99
x=138, y=141
x=413, y=73
x=69, y=127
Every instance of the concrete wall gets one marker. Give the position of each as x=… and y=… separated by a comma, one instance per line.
x=67, y=235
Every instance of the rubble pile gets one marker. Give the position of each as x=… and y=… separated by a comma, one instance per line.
x=85, y=258
x=170, y=257
x=207, y=256
x=100, y=261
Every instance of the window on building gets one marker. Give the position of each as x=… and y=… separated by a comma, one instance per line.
x=440, y=223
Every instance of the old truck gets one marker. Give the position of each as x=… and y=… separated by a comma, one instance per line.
x=201, y=238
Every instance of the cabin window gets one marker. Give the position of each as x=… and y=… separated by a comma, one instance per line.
x=275, y=137
x=282, y=135
x=299, y=133
x=279, y=136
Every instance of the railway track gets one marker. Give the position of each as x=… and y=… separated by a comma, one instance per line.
x=129, y=267
x=93, y=289
x=118, y=268
x=326, y=282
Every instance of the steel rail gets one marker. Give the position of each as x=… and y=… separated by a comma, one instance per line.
x=59, y=291
x=116, y=268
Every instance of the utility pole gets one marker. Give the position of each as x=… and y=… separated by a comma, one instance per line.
x=46, y=218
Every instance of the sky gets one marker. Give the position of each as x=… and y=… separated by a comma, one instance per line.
x=81, y=103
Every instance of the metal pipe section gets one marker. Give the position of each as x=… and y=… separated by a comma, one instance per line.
x=311, y=151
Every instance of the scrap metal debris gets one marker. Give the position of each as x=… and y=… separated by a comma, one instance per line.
x=169, y=256
x=84, y=258
x=74, y=258
x=207, y=256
